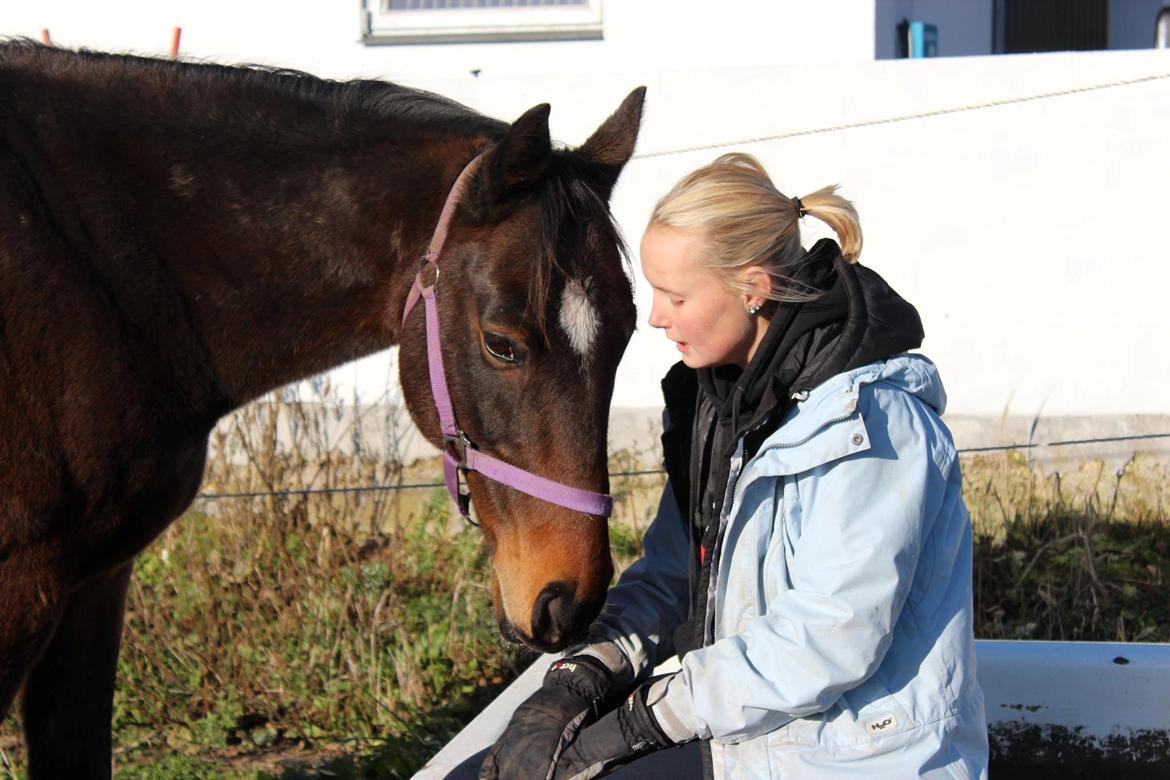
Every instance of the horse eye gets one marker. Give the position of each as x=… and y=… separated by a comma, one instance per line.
x=501, y=347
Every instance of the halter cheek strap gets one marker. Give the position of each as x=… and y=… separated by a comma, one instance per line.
x=458, y=453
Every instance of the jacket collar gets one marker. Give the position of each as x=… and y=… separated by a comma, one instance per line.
x=828, y=425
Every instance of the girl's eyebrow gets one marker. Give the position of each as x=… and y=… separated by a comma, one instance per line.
x=666, y=290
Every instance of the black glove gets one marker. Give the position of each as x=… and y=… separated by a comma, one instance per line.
x=630, y=731
x=575, y=692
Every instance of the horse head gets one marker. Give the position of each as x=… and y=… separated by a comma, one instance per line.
x=536, y=309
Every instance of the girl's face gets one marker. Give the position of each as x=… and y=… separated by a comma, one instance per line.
x=707, y=321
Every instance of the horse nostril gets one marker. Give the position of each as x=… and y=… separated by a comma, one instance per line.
x=553, y=614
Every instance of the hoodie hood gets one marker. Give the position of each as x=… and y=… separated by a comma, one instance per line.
x=880, y=323
x=858, y=319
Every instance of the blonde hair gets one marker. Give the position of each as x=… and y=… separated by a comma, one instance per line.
x=747, y=222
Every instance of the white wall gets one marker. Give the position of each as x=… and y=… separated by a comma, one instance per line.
x=1028, y=235
x=964, y=26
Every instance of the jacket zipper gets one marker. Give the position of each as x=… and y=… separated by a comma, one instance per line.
x=709, y=627
x=787, y=445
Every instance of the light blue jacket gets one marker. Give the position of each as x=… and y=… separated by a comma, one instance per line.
x=842, y=610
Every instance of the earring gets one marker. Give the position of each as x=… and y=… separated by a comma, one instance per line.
x=755, y=307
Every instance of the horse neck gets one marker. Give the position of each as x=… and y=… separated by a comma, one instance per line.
x=257, y=259
x=289, y=295
x=227, y=226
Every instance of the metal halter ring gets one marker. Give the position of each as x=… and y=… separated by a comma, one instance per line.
x=427, y=265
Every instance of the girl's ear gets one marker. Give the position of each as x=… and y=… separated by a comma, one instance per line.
x=759, y=282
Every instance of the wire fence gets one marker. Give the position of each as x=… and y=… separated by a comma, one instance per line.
x=649, y=472
x=910, y=117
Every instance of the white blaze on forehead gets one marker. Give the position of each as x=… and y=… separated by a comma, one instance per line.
x=579, y=317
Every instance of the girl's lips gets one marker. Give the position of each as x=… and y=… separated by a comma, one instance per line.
x=682, y=346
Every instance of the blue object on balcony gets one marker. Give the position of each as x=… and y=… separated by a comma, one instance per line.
x=923, y=40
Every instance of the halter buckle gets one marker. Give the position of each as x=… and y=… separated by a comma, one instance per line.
x=457, y=443
x=464, y=499
x=461, y=443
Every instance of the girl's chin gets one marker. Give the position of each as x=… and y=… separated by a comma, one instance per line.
x=689, y=357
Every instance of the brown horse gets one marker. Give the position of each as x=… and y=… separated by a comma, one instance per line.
x=177, y=239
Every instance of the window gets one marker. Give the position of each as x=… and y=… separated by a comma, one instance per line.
x=465, y=21
x=1050, y=25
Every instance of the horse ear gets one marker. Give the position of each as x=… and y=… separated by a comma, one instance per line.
x=520, y=158
x=612, y=144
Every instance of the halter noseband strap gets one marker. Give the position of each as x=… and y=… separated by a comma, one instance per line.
x=458, y=453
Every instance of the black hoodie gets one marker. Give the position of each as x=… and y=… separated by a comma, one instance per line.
x=857, y=320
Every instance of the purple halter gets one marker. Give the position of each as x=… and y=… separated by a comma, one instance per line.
x=465, y=457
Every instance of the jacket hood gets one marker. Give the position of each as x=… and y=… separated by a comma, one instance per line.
x=917, y=375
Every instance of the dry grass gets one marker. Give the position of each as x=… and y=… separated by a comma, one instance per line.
x=1083, y=555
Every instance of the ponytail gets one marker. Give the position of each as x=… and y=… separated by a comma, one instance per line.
x=839, y=214
x=746, y=222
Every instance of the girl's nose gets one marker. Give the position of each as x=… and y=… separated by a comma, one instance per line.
x=656, y=320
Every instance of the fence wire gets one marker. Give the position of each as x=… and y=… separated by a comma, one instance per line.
x=647, y=472
x=909, y=117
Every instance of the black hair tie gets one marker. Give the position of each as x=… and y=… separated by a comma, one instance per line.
x=800, y=212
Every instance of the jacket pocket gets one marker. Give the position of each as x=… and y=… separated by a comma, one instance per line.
x=866, y=714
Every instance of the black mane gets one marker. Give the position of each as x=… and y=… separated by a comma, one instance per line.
x=314, y=109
